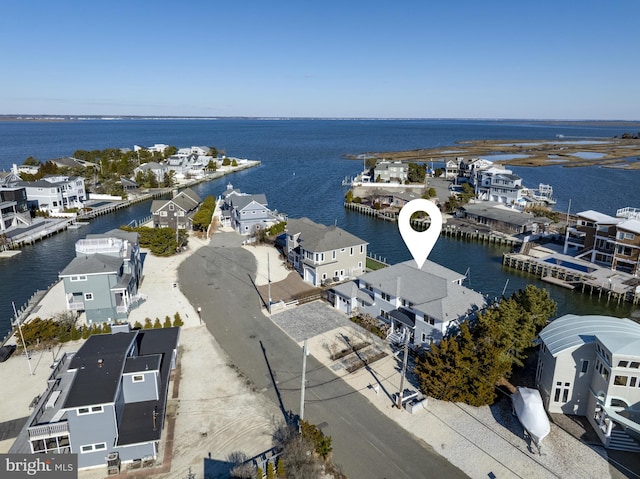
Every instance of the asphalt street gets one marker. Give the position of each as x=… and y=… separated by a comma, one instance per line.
x=366, y=443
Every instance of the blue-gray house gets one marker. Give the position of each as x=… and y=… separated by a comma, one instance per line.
x=107, y=400
x=103, y=279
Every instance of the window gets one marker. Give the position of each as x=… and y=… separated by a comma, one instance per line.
x=83, y=410
x=620, y=380
x=361, y=248
x=423, y=338
x=634, y=364
x=359, y=264
x=632, y=382
x=91, y=410
x=585, y=366
x=171, y=207
x=88, y=296
x=163, y=213
x=623, y=364
x=351, y=251
x=138, y=378
x=93, y=447
x=96, y=409
x=333, y=254
x=78, y=278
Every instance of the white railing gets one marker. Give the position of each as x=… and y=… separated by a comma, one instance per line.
x=48, y=430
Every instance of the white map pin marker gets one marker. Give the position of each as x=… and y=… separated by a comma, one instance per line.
x=420, y=243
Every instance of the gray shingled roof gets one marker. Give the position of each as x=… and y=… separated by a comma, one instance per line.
x=499, y=213
x=241, y=201
x=571, y=330
x=92, y=264
x=130, y=236
x=318, y=237
x=431, y=289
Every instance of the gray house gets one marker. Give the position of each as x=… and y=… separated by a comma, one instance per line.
x=425, y=303
x=103, y=279
x=106, y=400
x=177, y=212
x=245, y=213
x=323, y=254
x=590, y=366
x=391, y=172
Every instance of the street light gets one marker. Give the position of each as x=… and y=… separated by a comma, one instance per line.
x=200, y=314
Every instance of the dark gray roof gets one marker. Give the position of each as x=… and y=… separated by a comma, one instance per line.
x=143, y=363
x=96, y=383
x=136, y=425
x=92, y=264
x=191, y=194
x=318, y=237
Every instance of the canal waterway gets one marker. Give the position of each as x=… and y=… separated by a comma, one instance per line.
x=303, y=164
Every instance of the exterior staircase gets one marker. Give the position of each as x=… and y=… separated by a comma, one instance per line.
x=621, y=441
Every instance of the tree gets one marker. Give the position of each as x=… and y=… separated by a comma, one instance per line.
x=147, y=323
x=271, y=474
x=213, y=151
x=177, y=320
x=417, y=173
x=157, y=324
x=212, y=165
x=226, y=161
x=234, y=163
x=169, y=179
x=169, y=150
x=167, y=322
x=31, y=161
x=349, y=196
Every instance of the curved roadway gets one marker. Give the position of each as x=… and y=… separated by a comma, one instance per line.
x=366, y=443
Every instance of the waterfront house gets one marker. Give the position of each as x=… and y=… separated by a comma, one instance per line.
x=590, y=366
x=194, y=150
x=107, y=400
x=13, y=208
x=452, y=168
x=499, y=185
x=54, y=193
x=8, y=178
x=423, y=303
x=103, y=279
x=607, y=240
x=247, y=214
x=157, y=148
x=498, y=217
x=323, y=254
x=176, y=212
x=391, y=172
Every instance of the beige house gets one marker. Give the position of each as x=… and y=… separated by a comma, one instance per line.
x=590, y=366
x=324, y=254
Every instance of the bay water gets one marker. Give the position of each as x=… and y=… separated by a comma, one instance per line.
x=302, y=165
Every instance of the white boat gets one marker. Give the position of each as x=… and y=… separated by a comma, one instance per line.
x=528, y=406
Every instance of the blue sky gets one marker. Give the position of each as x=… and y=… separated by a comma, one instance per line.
x=349, y=58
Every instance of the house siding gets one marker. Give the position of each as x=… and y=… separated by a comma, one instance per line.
x=93, y=428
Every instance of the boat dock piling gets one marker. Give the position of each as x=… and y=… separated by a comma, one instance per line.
x=573, y=279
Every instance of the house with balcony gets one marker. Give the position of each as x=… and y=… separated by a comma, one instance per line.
x=423, y=303
x=103, y=279
x=13, y=208
x=155, y=168
x=176, y=212
x=590, y=366
x=612, y=241
x=54, y=193
x=499, y=185
x=245, y=213
x=324, y=254
x=107, y=400
x=499, y=217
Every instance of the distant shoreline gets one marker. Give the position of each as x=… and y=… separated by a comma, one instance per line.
x=70, y=118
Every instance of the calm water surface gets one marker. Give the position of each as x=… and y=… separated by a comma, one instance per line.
x=303, y=163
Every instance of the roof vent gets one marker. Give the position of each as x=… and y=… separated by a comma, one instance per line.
x=100, y=362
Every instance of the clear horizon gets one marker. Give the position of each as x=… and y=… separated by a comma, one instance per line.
x=544, y=61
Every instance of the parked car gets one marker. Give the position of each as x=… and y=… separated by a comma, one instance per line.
x=6, y=352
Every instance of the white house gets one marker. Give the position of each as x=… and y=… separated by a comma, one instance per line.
x=54, y=193
x=425, y=302
x=499, y=185
x=590, y=366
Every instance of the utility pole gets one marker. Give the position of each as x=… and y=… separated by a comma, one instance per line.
x=24, y=346
x=269, y=281
x=404, y=366
x=304, y=372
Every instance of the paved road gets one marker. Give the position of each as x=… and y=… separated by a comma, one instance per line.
x=366, y=443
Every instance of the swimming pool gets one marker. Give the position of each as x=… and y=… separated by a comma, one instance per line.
x=569, y=265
